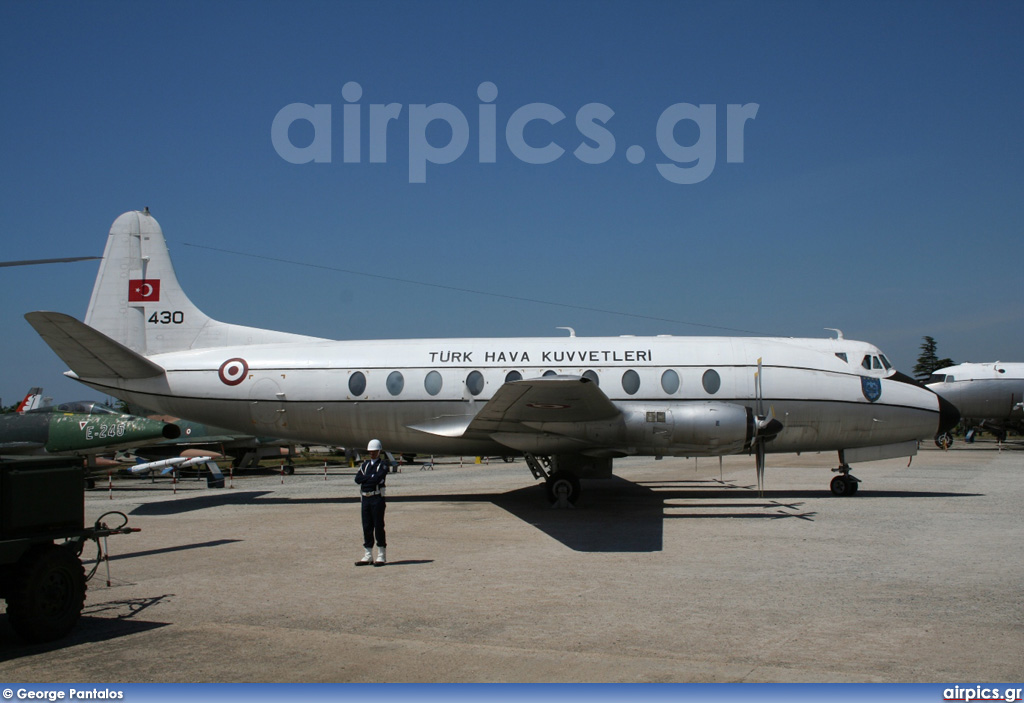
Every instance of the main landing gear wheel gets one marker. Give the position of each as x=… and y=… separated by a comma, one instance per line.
x=944, y=440
x=563, y=486
x=844, y=485
x=48, y=595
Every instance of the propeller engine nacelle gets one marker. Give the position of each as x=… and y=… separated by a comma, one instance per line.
x=674, y=429
x=692, y=429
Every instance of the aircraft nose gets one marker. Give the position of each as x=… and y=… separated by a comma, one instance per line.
x=949, y=415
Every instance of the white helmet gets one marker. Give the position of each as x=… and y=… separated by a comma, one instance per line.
x=374, y=446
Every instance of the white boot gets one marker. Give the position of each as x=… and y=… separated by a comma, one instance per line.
x=367, y=558
x=382, y=557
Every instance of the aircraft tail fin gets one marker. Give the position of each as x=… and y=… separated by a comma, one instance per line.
x=138, y=302
x=31, y=401
x=89, y=353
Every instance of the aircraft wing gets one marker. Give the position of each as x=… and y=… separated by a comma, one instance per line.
x=20, y=447
x=519, y=404
x=524, y=406
x=31, y=262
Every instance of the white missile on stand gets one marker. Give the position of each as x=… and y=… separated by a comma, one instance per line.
x=166, y=466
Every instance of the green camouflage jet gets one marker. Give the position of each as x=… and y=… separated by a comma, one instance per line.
x=80, y=428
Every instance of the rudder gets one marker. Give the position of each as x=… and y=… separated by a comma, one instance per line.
x=138, y=301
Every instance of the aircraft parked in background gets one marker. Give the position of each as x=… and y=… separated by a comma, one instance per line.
x=81, y=428
x=34, y=399
x=198, y=439
x=989, y=397
x=34, y=262
x=570, y=405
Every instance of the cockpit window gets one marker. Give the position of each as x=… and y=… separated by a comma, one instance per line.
x=936, y=378
x=866, y=362
x=885, y=362
x=875, y=363
x=88, y=407
x=842, y=355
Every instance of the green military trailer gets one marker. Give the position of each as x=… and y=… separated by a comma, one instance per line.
x=42, y=533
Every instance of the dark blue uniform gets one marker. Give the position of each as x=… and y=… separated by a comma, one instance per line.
x=370, y=477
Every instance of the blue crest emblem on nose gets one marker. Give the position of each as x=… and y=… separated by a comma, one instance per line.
x=871, y=387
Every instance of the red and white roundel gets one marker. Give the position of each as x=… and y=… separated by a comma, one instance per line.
x=233, y=371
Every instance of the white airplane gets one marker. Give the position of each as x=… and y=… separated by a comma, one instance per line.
x=988, y=396
x=569, y=404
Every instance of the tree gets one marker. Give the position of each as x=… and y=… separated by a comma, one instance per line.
x=928, y=361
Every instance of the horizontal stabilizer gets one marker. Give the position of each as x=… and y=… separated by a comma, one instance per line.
x=89, y=353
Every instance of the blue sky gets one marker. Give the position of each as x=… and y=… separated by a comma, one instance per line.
x=879, y=192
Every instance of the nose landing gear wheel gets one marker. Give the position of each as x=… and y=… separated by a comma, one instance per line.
x=844, y=485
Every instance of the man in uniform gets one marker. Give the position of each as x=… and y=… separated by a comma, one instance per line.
x=370, y=478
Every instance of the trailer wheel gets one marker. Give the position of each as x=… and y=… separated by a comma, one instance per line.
x=48, y=594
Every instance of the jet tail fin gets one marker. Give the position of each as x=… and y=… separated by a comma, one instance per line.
x=88, y=352
x=31, y=401
x=138, y=301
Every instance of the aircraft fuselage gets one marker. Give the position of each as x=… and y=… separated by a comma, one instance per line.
x=983, y=391
x=682, y=396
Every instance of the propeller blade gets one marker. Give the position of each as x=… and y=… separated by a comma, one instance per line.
x=757, y=389
x=760, y=467
x=768, y=428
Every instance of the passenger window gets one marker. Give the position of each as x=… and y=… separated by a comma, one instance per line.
x=357, y=383
x=513, y=376
x=475, y=382
x=631, y=382
x=670, y=381
x=549, y=373
x=711, y=381
x=433, y=383
x=592, y=376
x=395, y=382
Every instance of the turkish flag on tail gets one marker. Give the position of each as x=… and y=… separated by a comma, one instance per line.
x=144, y=290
